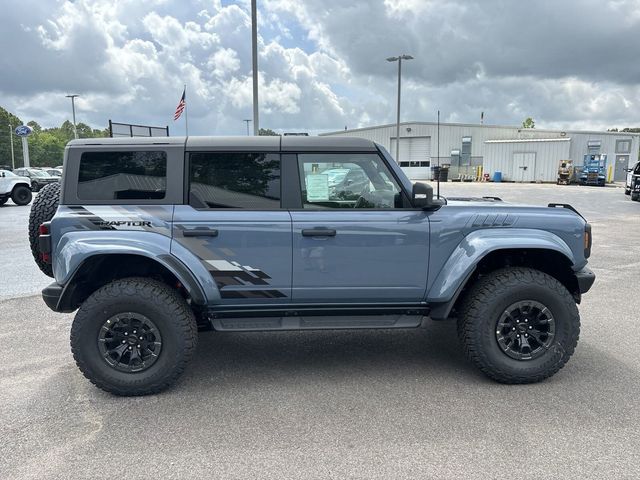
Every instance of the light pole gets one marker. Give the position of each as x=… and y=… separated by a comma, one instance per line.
x=254, y=62
x=73, y=108
x=247, y=122
x=399, y=60
x=13, y=159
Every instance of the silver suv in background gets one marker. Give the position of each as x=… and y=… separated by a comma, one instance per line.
x=37, y=177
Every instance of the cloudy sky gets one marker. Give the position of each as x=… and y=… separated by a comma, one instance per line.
x=567, y=63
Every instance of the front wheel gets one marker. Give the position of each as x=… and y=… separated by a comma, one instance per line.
x=518, y=325
x=133, y=336
x=21, y=195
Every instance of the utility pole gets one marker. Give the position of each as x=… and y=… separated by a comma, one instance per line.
x=399, y=60
x=13, y=159
x=254, y=61
x=73, y=109
x=248, y=120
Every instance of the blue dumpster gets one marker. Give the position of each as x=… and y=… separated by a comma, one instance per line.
x=497, y=177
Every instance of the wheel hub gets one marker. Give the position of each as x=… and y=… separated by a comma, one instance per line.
x=525, y=330
x=129, y=342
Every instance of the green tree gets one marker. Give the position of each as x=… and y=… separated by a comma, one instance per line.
x=6, y=119
x=266, y=132
x=529, y=123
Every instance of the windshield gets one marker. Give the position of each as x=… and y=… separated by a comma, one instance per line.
x=38, y=173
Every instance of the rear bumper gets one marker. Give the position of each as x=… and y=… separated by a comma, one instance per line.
x=51, y=295
x=585, y=278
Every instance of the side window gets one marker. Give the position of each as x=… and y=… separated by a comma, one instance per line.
x=637, y=170
x=122, y=175
x=347, y=180
x=248, y=180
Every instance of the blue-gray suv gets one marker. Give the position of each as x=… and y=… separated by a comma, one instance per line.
x=153, y=239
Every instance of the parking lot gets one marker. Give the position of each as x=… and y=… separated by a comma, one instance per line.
x=360, y=404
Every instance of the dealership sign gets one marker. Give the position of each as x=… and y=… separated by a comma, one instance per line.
x=24, y=131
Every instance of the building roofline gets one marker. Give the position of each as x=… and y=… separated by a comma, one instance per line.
x=528, y=140
x=595, y=132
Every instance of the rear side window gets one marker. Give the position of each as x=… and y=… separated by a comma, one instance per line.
x=248, y=180
x=140, y=175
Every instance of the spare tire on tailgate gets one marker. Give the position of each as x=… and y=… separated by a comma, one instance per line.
x=43, y=209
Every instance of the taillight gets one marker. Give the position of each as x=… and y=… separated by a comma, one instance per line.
x=44, y=242
x=43, y=229
x=587, y=240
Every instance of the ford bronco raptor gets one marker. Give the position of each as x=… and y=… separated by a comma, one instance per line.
x=152, y=239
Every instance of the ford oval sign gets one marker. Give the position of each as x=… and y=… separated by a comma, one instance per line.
x=24, y=131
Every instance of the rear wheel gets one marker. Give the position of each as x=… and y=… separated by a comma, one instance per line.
x=133, y=336
x=21, y=195
x=42, y=210
x=518, y=325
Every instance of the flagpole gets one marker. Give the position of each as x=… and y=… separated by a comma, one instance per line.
x=186, y=111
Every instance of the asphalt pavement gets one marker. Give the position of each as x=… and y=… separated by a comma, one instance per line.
x=358, y=404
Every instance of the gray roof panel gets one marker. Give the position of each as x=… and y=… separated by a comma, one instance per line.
x=327, y=144
x=122, y=141
x=230, y=144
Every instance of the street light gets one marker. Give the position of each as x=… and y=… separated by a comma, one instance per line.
x=254, y=65
x=399, y=60
x=73, y=108
x=13, y=160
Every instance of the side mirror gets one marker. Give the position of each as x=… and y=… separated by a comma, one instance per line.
x=422, y=195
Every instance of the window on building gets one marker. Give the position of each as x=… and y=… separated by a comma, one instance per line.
x=594, y=146
x=465, y=151
x=623, y=146
x=140, y=175
x=455, y=158
x=347, y=180
x=248, y=180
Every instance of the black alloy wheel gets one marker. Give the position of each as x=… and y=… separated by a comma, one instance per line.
x=525, y=330
x=129, y=342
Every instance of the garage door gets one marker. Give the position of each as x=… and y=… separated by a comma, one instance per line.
x=413, y=149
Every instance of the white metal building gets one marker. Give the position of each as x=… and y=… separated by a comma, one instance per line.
x=521, y=155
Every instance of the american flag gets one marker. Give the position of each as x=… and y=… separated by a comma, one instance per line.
x=180, y=107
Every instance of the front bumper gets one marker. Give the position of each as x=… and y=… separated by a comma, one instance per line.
x=585, y=278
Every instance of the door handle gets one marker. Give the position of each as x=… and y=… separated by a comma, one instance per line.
x=200, y=232
x=318, y=232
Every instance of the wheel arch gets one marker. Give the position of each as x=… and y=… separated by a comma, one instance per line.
x=482, y=252
x=20, y=184
x=99, y=269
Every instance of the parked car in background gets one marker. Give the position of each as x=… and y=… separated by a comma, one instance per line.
x=38, y=178
x=15, y=188
x=633, y=176
x=54, y=172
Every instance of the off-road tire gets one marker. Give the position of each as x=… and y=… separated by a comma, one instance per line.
x=484, y=304
x=153, y=299
x=42, y=210
x=21, y=195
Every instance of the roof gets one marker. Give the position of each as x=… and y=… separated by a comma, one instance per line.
x=511, y=127
x=529, y=140
x=250, y=143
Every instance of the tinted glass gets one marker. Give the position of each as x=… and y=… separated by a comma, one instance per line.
x=347, y=180
x=235, y=180
x=122, y=176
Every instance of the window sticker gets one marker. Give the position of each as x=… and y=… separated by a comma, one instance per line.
x=317, y=188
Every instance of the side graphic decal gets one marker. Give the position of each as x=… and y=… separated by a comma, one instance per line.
x=227, y=274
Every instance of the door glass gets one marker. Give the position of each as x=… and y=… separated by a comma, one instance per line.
x=347, y=180
x=248, y=180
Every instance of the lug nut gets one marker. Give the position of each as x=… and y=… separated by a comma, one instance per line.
x=138, y=346
x=141, y=337
x=134, y=332
x=130, y=348
x=124, y=341
x=518, y=336
x=530, y=327
x=526, y=334
x=126, y=333
x=514, y=328
x=526, y=320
